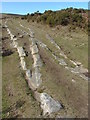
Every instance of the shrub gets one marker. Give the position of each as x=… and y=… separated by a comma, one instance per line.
x=62, y=17
x=6, y=52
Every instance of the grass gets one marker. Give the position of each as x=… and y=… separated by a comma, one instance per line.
x=18, y=98
x=69, y=41
x=22, y=41
x=29, y=62
x=14, y=80
x=58, y=83
x=75, y=53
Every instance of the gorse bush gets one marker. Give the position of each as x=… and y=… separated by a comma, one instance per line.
x=72, y=16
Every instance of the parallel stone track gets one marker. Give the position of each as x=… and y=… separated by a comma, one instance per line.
x=48, y=104
x=78, y=69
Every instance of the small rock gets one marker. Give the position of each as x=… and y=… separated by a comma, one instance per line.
x=73, y=80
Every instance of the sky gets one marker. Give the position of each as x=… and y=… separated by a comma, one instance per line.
x=31, y=7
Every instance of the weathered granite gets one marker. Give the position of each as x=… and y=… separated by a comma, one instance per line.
x=37, y=60
x=28, y=74
x=48, y=104
x=23, y=64
x=21, y=52
x=31, y=34
x=34, y=49
x=42, y=45
x=15, y=44
x=36, y=77
x=62, y=62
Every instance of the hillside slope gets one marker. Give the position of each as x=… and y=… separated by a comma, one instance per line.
x=70, y=16
x=53, y=62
